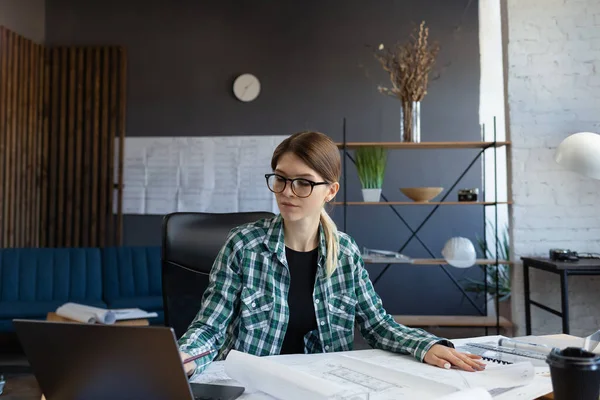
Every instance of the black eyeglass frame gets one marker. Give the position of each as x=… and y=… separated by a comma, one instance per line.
x=311, y=183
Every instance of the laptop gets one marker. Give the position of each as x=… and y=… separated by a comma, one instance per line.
x=73, y=361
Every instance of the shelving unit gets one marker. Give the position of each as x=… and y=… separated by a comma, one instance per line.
x=422, y=145
x=435, y=320
x=420, y=203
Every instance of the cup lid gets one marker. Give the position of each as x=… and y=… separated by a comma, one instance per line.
x=573, y=357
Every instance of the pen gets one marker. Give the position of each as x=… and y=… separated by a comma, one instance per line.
x=518, y=345
x=190, y=359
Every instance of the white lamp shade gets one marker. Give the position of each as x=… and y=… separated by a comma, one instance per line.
x=459, y=252
x=580, y=153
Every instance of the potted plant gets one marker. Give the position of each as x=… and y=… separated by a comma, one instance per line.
x=409, y=66
x=503, y=276
x=370, y=164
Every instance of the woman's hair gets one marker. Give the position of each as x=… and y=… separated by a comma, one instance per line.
x=321, y=154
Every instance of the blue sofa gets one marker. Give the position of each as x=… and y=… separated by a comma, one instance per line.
x=132, y=278
x=35, y=281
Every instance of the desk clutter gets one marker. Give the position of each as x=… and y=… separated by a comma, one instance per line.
x=94, y=315
x=376, y=374
x=141, y=356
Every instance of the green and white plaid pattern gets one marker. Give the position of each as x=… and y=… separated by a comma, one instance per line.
x=245, y=304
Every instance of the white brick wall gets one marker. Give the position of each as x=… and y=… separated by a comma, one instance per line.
x=553, y=90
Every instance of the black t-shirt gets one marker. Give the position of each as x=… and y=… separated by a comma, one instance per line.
x=303, y=271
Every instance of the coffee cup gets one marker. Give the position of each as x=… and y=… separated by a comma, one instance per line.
x=575, y=374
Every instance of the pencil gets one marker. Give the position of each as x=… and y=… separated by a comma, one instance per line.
x=190, y=359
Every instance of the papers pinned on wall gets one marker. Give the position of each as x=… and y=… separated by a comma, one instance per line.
x=200, y=174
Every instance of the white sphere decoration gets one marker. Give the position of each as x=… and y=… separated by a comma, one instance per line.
x=459, y=252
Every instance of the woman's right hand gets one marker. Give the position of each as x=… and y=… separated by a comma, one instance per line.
x=189, y=367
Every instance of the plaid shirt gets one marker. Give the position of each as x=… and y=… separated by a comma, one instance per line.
x=245, y=304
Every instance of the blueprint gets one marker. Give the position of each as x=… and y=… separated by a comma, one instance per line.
x=372, y=375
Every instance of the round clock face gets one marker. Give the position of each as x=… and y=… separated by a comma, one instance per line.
x=246, y=87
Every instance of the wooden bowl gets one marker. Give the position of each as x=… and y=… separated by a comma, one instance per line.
x=421, y=194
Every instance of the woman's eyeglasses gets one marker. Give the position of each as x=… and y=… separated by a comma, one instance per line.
x=300, y=186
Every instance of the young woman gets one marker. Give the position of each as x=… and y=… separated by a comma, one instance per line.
x=294, y=284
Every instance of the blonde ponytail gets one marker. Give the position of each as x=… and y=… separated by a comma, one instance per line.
x=331, y=238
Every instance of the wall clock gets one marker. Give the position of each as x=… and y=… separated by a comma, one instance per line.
x=246, y=87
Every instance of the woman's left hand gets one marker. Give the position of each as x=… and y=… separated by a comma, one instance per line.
x=446, y=357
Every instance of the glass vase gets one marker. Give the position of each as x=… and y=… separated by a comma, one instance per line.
x=410, y=121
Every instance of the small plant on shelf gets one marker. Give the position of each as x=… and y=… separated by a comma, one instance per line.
x=370, y=164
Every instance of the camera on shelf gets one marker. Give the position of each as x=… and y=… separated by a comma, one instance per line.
x=468, y=194
x=563, y=255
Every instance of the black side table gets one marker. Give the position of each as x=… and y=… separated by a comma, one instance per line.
x=564, y=269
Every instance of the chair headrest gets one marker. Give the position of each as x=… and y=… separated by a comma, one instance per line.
x=193, y=240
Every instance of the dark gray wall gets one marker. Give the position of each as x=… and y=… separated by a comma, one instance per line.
x=25, y=17
x=315, y=70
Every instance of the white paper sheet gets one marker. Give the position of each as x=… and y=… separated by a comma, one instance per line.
x=540, y=385
x=379, y=383
x=204, y=174
x=376, y=373
x=92, y=315
x=470, y=394
x=122, y=314
x=493, y=377
x=86, y=314
x=279, y=381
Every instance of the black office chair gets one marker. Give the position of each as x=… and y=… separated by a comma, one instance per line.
x=190, y=244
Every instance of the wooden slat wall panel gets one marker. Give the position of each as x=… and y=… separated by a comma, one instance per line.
x=62, y=122
x=12, y=138
x=70, y=144
x=79, y=148
x=89, y=89
x=95, y=147
x=21, y=157
x=112, y=132
x=87, y=163
x=121, y=135
x=63, y=89
x=21, y=134
x=3, y=127
x=45, y=167
x=54, y=77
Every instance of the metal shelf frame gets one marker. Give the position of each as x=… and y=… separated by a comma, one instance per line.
x=483, y=147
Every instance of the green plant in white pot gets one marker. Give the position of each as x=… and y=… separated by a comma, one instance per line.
x=370, y=164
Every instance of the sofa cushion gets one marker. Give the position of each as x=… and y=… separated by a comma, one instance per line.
x=6, y=325
x=147, y=303
x=131, y=272
x=47, y=274
x=36, y=309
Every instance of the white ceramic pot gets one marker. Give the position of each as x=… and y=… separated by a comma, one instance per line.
x=371, y=195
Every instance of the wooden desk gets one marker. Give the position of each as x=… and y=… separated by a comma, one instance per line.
x=136, y=322
x=21, y=387
x=25, y=387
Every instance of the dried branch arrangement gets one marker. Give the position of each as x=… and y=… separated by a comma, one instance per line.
x=409, y=65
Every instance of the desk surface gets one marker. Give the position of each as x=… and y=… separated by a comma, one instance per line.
x=25, y=387
x=583, y=263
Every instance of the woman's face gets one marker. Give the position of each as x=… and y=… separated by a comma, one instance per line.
x=293, y=207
